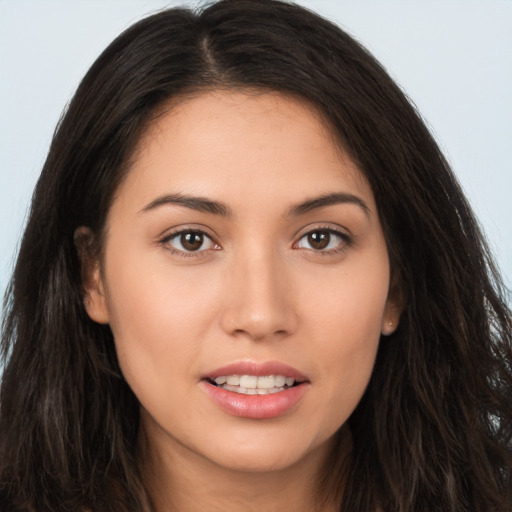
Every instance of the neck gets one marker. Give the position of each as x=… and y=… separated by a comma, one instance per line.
x=178, y=479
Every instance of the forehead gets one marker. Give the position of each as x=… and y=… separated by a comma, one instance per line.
x=228, y=143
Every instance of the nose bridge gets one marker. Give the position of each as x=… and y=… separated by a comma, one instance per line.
x=260, y=302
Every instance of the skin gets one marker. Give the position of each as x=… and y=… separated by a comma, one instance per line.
x=258, y=291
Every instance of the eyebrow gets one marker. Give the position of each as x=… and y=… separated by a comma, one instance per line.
x=199, y=204
x=328, y=200
x=202, y=204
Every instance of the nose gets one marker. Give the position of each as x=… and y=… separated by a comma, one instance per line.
x=259, y=301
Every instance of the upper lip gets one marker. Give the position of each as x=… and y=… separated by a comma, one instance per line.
x=259, y=369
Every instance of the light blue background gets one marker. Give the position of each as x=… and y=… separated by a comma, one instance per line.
x=452, y=57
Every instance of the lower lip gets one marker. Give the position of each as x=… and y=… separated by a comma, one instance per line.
x=256, y=406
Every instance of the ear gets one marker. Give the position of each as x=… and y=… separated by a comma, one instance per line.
x=395, y=305
x=93, y=289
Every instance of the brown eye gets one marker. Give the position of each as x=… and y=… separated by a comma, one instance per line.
x=319, y=239
x=190, y=241
x=323, y=240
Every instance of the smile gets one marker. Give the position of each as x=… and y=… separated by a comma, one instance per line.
x=253, y=384
x=256, y=390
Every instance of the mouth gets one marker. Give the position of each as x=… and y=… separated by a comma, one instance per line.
x=256, y=390
x=254, y=384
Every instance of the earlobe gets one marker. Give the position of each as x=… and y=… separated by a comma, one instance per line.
x=93, y=289
x=95, y=299
x=394, y=307
x=388, y=326
x=391, y=318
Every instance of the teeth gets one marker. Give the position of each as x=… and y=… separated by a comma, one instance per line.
x=247, y=391
x=267, y=382
x=253, y=385
x=280, y=380
x=249, y=381
x=233, y=380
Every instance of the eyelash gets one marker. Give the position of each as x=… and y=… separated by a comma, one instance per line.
x=345, y=242
x=184, y=253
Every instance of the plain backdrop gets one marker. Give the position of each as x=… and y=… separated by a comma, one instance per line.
x=452, y=57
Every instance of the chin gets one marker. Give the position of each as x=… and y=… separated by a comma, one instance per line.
x=262, y=455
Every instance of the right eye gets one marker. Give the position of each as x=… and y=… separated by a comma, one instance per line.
x=189, y=241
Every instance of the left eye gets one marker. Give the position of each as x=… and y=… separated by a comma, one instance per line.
x=322, y=240
x=190, y=241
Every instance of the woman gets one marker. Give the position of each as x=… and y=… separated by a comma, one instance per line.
x=250, y=281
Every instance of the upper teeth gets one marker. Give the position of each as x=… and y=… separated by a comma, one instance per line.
x=254, y=382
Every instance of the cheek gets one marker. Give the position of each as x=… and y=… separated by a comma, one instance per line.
x=346, y=322
x=159, y=316
x=348, y=305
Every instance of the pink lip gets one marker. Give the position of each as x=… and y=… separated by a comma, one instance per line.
x=258, y=369
x=256, y=406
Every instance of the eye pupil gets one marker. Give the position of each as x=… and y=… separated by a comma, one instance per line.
x=192, y=241
x=319, y=239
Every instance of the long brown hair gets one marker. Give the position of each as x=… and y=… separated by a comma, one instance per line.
x=434, y=428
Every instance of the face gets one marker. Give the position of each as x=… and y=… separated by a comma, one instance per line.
x=245, y=278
